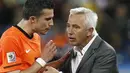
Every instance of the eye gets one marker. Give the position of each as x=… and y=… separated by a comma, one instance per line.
x=47, y=19
x=76, y=26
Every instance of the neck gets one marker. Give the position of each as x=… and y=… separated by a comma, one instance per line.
x=26, y=26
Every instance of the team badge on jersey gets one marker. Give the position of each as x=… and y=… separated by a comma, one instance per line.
x=11, y=57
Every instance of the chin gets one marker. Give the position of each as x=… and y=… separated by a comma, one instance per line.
x=73, y=43
x=43, y=33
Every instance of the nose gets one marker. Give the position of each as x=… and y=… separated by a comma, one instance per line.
x=51, y=23
x=69, y=30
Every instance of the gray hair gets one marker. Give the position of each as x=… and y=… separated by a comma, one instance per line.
x=91, y=17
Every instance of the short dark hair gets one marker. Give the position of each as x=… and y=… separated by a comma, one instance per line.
x=34, y=7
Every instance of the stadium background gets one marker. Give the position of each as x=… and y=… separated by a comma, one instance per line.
x=113, y=24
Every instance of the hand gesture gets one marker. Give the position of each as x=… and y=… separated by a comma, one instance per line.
x=48, y=51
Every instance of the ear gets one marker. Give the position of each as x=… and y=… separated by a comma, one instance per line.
x=90, y=31
x=32, y=19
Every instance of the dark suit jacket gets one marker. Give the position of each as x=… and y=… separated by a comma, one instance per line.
x=99, y=58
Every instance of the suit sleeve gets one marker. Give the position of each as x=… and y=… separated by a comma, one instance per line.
x=105, y=62
x=10, y=59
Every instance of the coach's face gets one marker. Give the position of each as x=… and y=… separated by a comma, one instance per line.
x=77, y=30
x=44, y=21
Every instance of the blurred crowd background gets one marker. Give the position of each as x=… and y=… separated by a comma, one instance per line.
x=113, y=24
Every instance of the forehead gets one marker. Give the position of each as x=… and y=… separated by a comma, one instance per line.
x=76, y=19
x=47, y=13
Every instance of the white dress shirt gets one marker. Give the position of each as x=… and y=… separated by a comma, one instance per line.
x=75, y=62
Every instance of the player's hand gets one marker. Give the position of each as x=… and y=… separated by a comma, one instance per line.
x=50, y=69
x=48, y=51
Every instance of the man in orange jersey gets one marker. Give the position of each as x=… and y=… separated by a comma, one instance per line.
x=20, y=46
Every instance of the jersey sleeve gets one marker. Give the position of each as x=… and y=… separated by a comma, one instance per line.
x=0, y=55
x=9, y=55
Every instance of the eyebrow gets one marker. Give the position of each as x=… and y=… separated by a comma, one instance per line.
x=49, y=18
x=72, y=24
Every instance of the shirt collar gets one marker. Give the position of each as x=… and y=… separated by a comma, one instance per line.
x=82, y=52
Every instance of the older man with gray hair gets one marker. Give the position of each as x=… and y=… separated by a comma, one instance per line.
x=90, y=54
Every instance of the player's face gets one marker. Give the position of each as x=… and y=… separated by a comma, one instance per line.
x=44, y=22
x=77, y=30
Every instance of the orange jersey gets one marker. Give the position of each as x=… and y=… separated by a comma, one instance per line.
x=17, y=50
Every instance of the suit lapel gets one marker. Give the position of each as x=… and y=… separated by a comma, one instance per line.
x=94, y=46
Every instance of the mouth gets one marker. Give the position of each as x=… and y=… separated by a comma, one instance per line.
x=47, y=29
x=72, y=38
